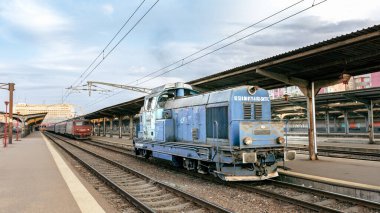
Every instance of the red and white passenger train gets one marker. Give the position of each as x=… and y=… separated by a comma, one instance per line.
x=76, y=128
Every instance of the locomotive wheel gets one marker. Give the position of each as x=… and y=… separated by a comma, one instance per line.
x=137, y=151
x=146, y=153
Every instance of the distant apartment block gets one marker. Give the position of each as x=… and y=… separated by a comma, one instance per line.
x=55, y=112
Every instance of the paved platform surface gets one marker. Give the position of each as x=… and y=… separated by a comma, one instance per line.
x=125, y=141
x=30, y=180
x=358, y=171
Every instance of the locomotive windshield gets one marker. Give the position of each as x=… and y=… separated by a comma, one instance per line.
x=171, y=94
x=81, y=123
x=165, y=97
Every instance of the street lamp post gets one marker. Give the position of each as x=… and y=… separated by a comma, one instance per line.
x=17, y=130
x=11, y=88
x=6, y=123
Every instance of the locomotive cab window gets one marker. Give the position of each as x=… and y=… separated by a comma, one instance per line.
x=81, y=123
x=189, y=92
x=165, y=97
x=151, y=103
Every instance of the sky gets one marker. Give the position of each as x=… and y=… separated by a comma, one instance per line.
x=47, y=45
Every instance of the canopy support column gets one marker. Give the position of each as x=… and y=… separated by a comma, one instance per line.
x=310, y=89
x=120, y=126
x=327, y=122
x=104, y=127
x=111, y=127
x=346, y=123
x=131, y=126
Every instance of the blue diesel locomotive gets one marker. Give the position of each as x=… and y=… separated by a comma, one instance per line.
x=228, y=133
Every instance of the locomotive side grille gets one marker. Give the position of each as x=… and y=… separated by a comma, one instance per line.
x=258, y=110
x=247, y=110
x=194, y=133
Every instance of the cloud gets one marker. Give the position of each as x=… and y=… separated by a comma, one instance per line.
x=107, y=9
x=311, y=28
x=32, y=16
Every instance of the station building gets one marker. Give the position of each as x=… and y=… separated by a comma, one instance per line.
x=55, y=112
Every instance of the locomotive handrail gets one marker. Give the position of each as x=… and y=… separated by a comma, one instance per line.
x=216, y=132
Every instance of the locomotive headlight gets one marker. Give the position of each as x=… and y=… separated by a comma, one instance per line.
x=252, y=90
x=247, y=140
x=281, y=140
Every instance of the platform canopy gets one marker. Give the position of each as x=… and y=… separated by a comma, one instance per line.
x=127, y=108
x=29, y=117
x=353, y=100
x=355, y=53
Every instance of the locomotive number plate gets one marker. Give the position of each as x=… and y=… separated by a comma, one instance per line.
x=261, y=132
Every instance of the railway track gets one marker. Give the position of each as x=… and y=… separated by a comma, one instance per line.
x=147, y=194
x=309, y=198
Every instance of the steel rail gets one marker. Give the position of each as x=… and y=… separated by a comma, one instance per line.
x=285, y=198
x=305, y=204
x=205, y=204
x=341, y=197
x=141, y=206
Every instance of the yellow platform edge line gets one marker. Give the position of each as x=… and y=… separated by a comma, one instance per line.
x=82, y=196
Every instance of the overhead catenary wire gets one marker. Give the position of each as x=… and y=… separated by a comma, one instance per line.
x=125, y=35
x=118, y=32
x=209, y=46
x=102, y=53
x=215, y=43
x=215, y=50
x=233, y=42
x=219, y=41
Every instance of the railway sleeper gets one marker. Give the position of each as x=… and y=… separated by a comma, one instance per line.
x=149, y=193
x=178, y=208
x=354, y=209
x=327, y=202
x=145, y=186
x=170, y=202
x=157, y=197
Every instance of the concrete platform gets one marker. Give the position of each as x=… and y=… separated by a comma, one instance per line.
x=348, y=170
x=122, y=142
x=34, y=178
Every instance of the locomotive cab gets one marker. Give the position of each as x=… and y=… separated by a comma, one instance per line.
x=154, y=105
x=81, y=129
